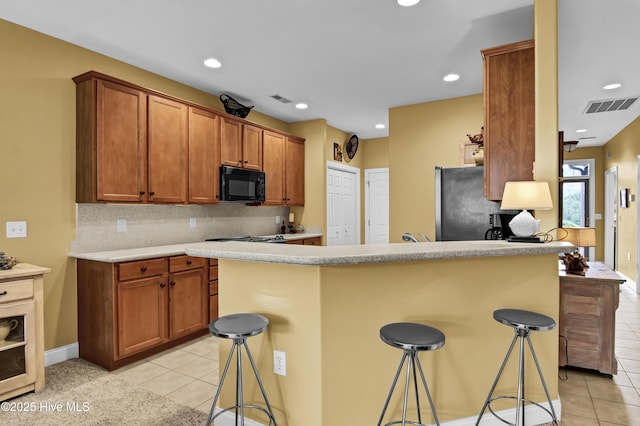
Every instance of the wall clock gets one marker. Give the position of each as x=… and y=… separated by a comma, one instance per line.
x=351, y=146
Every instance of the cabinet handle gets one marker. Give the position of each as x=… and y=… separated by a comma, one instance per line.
x=3, y=293
x=246, y=161
x=143, y=269
x=173, y=283
x=152, y=193
x=189, y=262
x=162, y=285
x=141, y=192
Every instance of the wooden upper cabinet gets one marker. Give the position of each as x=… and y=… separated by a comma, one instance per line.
x=204, y=156
x=509, y=111
x=167, y=150
x=252, y=157
x=294, y=175
x=240, y=144
x=273, y=166
x=111, y=142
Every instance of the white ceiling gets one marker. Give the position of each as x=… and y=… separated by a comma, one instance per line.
x=351, y=60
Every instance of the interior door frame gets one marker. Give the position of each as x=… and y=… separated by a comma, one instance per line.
x=591, y=196
x=332, y=165
x=367, y=200
x=610, y=216
x=638, y=230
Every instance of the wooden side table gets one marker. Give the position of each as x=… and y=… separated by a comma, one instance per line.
x=22, y=351
x=588, y=318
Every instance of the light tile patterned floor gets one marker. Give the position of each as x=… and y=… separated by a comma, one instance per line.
x=593, y=399
x=188, y=374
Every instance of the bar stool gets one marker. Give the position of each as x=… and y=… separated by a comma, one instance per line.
x=411, y=338
x=523, y=323
x=239, y=327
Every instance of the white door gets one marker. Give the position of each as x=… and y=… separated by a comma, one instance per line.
x=343, y=204
x=610, y=217
x=376, y=201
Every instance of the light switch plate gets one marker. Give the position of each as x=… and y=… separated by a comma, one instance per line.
x=17, y=229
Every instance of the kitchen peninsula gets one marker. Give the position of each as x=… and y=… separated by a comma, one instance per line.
x=327, y=304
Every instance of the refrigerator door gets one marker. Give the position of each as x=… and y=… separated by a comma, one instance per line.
x=462, y=211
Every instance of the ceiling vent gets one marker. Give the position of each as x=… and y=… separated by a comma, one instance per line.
x=281, y=99
x=610, y=105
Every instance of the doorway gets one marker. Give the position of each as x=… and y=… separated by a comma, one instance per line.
x=611, y=218
x=376, y=202
x=578, y=197
x=343, y=204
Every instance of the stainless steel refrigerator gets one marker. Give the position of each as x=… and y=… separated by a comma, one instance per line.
x=462, y=211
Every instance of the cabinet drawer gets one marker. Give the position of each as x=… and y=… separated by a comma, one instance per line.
x=316, y=241
x=300, y=242
x=213, y=262
x=213, y=288
x=16, y=290
x=142, y=268
x=182, y=263
x=213, y=272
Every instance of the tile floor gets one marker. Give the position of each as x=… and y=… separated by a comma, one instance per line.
x=188, y=374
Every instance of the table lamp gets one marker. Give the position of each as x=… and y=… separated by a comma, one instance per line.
x=574, y=262
x=525, y=195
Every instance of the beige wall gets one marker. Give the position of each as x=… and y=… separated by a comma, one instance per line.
x=423, y=136
x=622, y=152
x=597, y=153
x=37, y=129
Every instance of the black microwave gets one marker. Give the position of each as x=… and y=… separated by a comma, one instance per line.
x=241, y=185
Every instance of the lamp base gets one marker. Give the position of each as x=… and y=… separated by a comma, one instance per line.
x=514, y=239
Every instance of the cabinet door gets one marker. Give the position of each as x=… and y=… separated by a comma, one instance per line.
x=167, y=150
x=204, y=156
x=188, y=302
x=294, y=175
x=509, y=107
x=120, y=143
x=273, y=166
x=252, y=147
x=142, y=314
x=230, y=142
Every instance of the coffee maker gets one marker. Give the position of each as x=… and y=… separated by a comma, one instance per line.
x=499, y=226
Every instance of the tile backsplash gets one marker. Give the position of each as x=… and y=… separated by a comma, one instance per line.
x=155, y=225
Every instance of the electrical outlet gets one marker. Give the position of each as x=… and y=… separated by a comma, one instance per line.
x=277, y=220
x=280, y=363
x=628, y=256
x=193, y=222
x=122, y=225
x=17, y=229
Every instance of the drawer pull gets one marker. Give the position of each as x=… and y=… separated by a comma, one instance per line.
x=189, y=262
x=3, y=293
x=143, y=269
x=163, y=285
x=173, y=283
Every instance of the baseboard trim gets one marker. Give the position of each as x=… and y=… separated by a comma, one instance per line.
x=629, y=282
x=63, y=353
x=533, y=414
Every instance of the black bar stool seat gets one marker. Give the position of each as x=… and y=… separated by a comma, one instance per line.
x=523, y=323
x=239, y=327
x=411, y=338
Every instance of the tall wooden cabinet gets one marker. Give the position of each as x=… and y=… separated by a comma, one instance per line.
x=204, y=156
x=509, y=115
x=241, y=145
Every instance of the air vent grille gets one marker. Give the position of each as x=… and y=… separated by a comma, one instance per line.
x=281, y=99
x=609, y=105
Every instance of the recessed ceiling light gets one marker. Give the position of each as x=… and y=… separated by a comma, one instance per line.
x=408, y=2
x=212, y=63
x=611, y=86
x=380, y=126
x=581, y=130
x=451, y=77
x=302, y=105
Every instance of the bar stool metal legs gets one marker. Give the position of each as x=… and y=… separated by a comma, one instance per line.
x=412, y=338
x=246, y=325
x=523, y=323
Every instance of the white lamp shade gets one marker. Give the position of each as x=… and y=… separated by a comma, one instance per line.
x=526, y=195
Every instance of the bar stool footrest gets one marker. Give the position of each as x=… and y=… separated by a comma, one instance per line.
x=407, y=422
x=524, y=401
x=254, y=406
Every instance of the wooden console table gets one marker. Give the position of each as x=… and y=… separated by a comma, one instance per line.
x=588, y=318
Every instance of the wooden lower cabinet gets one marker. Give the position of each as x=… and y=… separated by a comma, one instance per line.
x=130, y=310
x=314, y=241
x=588, y=319
x=213, y=289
